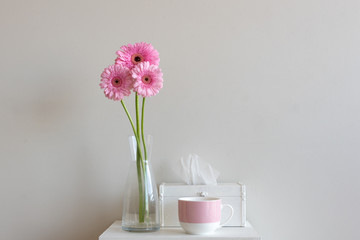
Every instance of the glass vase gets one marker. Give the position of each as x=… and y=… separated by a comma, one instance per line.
x=141, y=206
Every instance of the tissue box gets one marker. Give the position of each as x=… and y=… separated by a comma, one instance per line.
x=230, y=193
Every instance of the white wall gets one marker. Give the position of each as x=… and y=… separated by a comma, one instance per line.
x=266, y=91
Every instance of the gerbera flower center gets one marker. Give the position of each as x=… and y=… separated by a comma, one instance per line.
x=146, y=79
x=116, y=82
x=137, y=58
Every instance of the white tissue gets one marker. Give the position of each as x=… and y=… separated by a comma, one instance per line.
x=195, y=171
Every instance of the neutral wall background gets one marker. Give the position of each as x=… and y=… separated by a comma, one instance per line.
x=265, y=91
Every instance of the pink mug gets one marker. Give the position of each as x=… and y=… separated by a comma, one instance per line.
x=201, y=215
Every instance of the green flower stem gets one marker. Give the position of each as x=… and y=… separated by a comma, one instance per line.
x=128, y=115
x=147, y=211
x=139, y=164
x=142, y=128
x=137, y=132
x=142, y=191
x=133, y=127
x=141, y=187
x=137, y=114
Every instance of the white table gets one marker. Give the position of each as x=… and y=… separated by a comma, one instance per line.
x=114, y=232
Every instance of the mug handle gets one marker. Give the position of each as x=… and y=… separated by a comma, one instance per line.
x=231, y=215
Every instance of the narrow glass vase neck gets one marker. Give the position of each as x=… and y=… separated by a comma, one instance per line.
x=143, y=151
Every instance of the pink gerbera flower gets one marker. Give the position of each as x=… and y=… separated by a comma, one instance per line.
x=131, y=55
x=148, y=79
x=116, y=82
